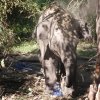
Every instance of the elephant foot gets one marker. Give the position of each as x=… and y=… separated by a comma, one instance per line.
x=67, y=92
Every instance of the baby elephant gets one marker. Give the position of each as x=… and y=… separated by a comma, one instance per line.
x=57, y=34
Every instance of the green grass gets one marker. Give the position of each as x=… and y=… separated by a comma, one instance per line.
x=86, y=53
x=83, y=49
x=25, y=47
x=86, y=49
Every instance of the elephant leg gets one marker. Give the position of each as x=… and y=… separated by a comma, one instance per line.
x=69, y=79
x=50, y=68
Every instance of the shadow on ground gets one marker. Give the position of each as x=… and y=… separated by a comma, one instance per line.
x=23, y=79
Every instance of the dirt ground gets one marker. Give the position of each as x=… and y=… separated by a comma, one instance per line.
x=27, y=82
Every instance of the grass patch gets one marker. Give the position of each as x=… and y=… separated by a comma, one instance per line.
x=25, y=47
x=86, y=53
x=86, y=49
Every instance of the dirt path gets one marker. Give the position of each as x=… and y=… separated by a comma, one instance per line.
x=27, y=82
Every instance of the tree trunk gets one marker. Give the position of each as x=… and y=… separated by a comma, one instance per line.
x=98, y=26
x=97, y=70
x=94, y=91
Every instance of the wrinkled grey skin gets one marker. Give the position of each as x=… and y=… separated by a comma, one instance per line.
x=57, y=35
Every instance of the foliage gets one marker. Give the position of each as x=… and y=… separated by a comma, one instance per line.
x=6, y=38
x=17, y=19
x=86, y=49
x=22, y=17
x=91, y=19
x=25, y=47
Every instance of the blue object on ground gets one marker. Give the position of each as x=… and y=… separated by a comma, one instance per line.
x=57, y=90
x=21, y=66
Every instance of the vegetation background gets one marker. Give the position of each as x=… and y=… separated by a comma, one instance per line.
x=19, y=17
